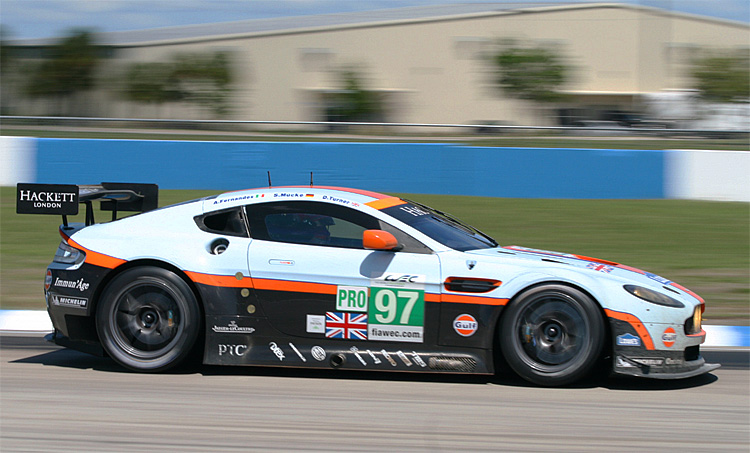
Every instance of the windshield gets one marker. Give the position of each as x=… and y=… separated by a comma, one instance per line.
x=441, y=227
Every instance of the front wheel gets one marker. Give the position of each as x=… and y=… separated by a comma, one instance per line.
x=552, y=335
x=148, y=319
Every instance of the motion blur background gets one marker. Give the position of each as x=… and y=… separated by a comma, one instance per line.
x=648, y=64
x=491, y=99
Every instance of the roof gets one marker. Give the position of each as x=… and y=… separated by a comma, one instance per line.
x=339, y=195
x=310, y=23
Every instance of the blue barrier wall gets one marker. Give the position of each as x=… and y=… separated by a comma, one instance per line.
x=392, y=167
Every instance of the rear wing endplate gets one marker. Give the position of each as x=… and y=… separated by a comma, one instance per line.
x=63, y=199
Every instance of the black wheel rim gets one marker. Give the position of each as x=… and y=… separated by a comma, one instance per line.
x=552, y=332
x=146, y=320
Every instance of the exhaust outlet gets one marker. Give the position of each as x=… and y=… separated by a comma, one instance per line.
x=337, y=360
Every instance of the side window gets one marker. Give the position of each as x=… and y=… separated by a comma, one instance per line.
x=309, y=223
x=313, y=223
x=409, y=244
x=229, y=222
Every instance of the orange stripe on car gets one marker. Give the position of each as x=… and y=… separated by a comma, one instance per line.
x=457, y=299
x=299, y=287
x=96, y=258
x=226, y=281
x=596, y=260
x=385, y=203
x=366, y=193
x=231, y=281
x=636, y=323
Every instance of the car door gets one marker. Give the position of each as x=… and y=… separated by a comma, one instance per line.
x=314, y=279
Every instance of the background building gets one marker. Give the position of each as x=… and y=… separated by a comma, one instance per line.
x=427, y=64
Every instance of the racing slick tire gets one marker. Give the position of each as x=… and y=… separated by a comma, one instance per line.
x=552, y=335
x=148, y=319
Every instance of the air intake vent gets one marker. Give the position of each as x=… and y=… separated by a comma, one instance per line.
x=463, y=364
x=471, y=285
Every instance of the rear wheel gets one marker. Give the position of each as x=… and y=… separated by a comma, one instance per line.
x=552, y=335
x=148, y=319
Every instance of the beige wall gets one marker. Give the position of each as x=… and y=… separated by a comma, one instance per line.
x=435, y=72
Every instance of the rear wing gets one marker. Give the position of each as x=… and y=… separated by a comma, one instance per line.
x=63, y=199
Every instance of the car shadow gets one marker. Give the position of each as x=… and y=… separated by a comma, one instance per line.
x=68, y=358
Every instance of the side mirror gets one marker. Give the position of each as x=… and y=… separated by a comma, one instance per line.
x=379, y=240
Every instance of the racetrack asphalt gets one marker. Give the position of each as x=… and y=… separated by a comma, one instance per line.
x=56, y=399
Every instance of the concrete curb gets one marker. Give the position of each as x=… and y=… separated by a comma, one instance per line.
x=38, y=321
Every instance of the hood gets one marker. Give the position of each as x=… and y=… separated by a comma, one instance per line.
x=588, y=264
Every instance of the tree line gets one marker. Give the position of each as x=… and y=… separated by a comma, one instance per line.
x=528, y=72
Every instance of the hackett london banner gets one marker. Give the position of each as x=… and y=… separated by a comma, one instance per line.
x=60, y=199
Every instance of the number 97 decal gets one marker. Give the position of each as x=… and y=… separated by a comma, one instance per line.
x=396, y=315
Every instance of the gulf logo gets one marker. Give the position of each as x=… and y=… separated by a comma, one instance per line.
x=465, y=325
x=668, y=337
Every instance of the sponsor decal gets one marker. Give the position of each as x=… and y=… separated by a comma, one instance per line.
x=355, y=351
x=349, y=326
x=293, y=195
x=388, y=357
x=281, y=262
x=237, y=350
x=661, y=280
x=232, y=327
x=374, y=358
x=316, y=324
x=318, y=353
x=669, y=337
x=395, y=333
x=600, y=267
x=242, y=198
x=465, y=325
x=79, y=284
x=413, y=210
x=671, y=361
x=351, y=298
x=401, y=281
x=47, y=199
x=276, y=351
x=622, y=363
x=628, y=339
x=417, y=359
x=69, y=301
x=403, y=358
x=48, y=280
x=649, y=361
x=396, y=314
x=291, y=345
x=340, y=201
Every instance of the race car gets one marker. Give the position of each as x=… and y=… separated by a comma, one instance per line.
x=329, y=277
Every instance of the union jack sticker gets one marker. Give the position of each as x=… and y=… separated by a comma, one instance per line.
x=347, y=326
x=600, y=267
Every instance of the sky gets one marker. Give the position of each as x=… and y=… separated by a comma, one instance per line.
x=23, y=19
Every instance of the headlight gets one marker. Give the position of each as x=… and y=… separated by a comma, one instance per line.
x=653, y=296
x=68, y=255
x=693, y=324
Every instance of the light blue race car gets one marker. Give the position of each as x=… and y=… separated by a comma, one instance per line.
x=321, y=277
